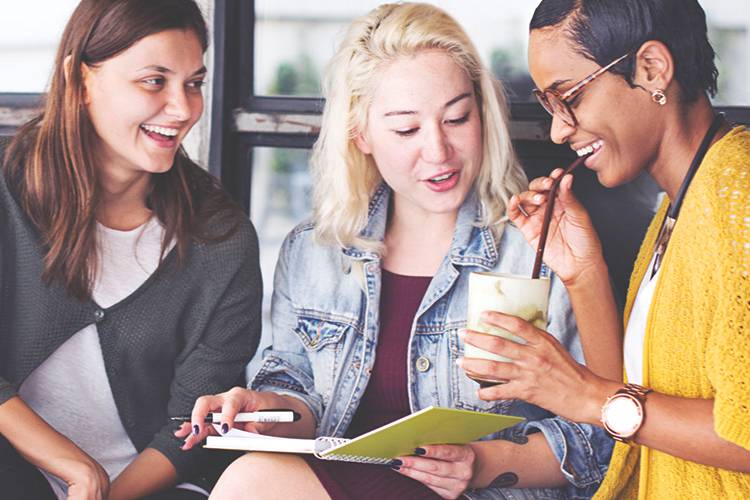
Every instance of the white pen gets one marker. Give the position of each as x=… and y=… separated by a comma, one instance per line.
x=260, y=416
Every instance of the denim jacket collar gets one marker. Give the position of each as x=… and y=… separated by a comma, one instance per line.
x=327, y=324
x=465, y=250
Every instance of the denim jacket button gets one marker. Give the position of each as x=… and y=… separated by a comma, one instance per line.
x=423, y=364
x=98, y=315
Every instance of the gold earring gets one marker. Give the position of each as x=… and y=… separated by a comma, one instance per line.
x=659, y=97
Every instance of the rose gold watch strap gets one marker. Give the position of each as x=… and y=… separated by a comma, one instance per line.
x=637, y=391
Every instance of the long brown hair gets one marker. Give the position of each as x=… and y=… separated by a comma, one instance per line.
x=49, y=163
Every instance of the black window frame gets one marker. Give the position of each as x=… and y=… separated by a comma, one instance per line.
x=231, y=148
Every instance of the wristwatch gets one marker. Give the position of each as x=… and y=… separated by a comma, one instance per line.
x=623, y=412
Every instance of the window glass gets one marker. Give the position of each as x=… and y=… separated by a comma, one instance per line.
x=281, y=193
x=29, y=33
x=280, y=199
x=295, y=39
x=729, y=32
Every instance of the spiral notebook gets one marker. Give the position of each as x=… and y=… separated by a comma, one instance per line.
x=432, y=425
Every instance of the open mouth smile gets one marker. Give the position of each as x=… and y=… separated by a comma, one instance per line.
x=591, y=148
x=165, y=137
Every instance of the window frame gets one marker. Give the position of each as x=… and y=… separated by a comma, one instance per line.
x=16, y=109
x=242, y=120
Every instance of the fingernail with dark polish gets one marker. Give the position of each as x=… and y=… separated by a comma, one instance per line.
x=395, y=467
x=224, y=428
x=196, y=430
x=420, y=451
x=396, y=462
x=505, y=480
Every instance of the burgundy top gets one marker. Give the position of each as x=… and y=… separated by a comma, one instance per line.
x=386, y=399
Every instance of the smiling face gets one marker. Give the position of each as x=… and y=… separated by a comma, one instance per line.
x=143, y=101
x=424, y=132
x=619, y=123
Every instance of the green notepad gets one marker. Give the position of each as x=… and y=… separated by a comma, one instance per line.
x=432, y=425
x=429, y=426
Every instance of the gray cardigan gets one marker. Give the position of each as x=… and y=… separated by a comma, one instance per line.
x=182, y=334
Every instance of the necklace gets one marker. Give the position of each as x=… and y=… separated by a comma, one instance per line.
x=674, y=207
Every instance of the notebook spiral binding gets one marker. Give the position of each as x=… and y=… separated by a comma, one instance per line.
x=326, y=443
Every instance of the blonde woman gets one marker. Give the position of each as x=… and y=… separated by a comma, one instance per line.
x=413, y=170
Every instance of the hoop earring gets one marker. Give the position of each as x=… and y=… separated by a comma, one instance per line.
x=659, y=97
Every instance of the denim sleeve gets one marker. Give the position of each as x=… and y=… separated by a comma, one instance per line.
x=286, y=368
x=561, y=321
x=583, y=451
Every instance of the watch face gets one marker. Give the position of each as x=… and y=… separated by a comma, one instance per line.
x=622, y=415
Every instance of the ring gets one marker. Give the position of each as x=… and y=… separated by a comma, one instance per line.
x=521, y=209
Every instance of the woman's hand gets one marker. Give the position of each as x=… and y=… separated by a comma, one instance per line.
x=446, y=469
x=229, y=403
x=542, y=371
x=47, y=449
x=572, y=243
x=86, y=480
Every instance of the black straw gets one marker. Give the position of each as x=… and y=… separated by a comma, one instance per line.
x=548, y=216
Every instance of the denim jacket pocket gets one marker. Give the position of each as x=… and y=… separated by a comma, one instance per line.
x=463, y=389
x=323, y=338
x=317, y=333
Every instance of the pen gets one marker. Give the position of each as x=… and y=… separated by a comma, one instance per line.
x=259, y=416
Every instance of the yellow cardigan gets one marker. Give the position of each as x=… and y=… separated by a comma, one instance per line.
x=697, y=342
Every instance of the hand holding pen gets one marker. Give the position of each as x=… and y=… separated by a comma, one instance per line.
x=276, y=416
x=242, y=408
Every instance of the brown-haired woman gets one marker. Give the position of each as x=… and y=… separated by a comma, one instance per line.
x=129, y=281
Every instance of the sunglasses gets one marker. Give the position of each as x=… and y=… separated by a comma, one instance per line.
x=558, y=104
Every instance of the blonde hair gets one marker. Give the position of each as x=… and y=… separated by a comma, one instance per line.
x=345, y=178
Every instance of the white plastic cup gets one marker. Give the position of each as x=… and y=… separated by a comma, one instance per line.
x=519, y=296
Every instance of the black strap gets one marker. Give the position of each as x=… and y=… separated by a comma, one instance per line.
x=676, y=204
x=674, y=208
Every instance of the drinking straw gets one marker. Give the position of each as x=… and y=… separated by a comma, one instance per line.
x=548, y=216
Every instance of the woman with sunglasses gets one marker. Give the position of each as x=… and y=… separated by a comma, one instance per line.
x=644, y=106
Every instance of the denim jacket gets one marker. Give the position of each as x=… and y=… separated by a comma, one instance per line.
x=324, y=314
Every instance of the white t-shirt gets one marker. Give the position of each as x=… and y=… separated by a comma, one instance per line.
x=636, y=329
x=70, y=389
